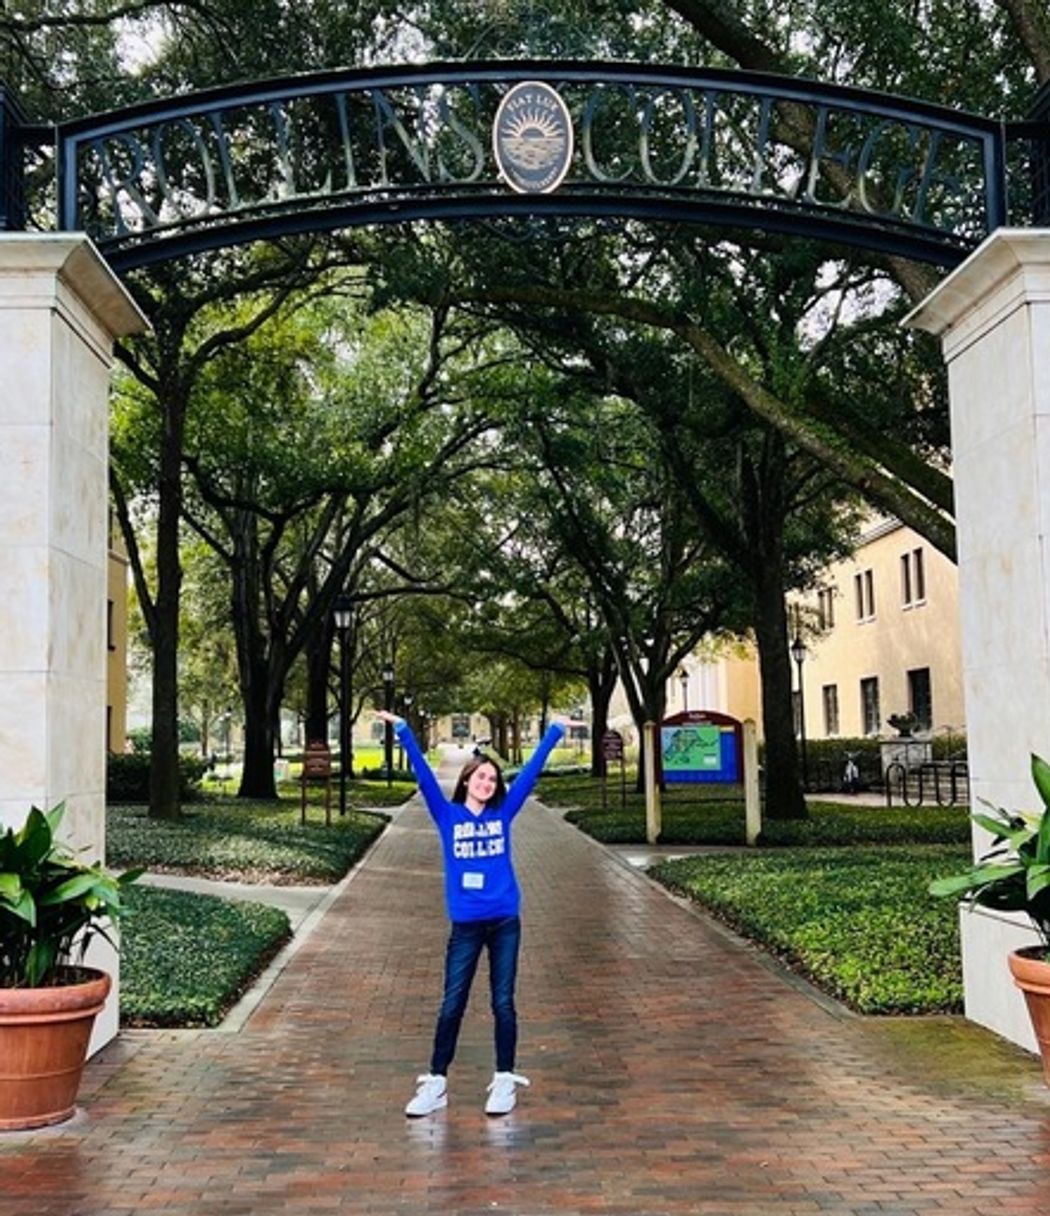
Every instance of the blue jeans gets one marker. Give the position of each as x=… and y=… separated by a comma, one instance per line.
x=502, y=936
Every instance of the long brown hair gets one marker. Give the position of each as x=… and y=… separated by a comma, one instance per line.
x=468, y=770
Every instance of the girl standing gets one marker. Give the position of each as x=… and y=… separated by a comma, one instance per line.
x=483, y=901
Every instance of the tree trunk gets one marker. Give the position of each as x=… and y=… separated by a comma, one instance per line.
x=257, y=779
x=784, y=797
x=318, y=671
x=515, y=737
x=164, y=749
x=601, y=682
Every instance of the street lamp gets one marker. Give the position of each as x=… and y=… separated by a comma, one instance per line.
x=407, y=699
x=798, y=653
x=388, y=734
x=343, y=615
x=683, y=679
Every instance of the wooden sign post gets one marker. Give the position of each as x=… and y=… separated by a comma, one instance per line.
x=317, y=766
x=612, y=749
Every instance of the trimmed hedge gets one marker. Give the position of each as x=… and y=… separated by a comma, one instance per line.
x=255, y=842
x=860, y=925
x=187, y=958
x=829, y=823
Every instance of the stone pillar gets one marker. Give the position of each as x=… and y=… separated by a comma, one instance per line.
x=993, y=316
x=61, y=309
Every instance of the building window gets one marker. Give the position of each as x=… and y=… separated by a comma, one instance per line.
x=864, y=587
x=870, y=714
x=826, y=608
x=920, y=696
x=111, y=643
x=913, y=578
x=831, y=709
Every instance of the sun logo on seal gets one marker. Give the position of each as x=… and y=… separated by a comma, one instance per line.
x=532, y=138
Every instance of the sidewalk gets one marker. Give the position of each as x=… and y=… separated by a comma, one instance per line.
x=674, y=1071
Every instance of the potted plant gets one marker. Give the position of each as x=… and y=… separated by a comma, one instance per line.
x=51, y=906
x=904, y=724
x=1014, y=876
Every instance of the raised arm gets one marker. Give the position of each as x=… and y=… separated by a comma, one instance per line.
x=521, y=786
x=428, y=783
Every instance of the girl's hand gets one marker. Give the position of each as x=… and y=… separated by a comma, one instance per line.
x=385, y=716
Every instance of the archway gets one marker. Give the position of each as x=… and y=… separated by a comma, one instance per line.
x=228, y=166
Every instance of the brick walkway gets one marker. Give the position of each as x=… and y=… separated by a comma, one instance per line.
x=673, y=1071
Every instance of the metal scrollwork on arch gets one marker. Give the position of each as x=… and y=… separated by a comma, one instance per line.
x=663, y=143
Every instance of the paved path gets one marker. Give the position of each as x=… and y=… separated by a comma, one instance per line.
x=673, y=1072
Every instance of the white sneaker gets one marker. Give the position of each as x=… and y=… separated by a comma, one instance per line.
x=431, y=1095
x=502, y=1096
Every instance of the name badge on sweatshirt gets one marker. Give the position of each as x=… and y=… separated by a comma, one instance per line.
x=472, y=880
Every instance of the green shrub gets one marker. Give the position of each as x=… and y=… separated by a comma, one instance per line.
x=378, y=773
x=861, y=925
x=714, y=823
x=186, y=958
x=127, y=776
x=829, y=823
x=141, y=739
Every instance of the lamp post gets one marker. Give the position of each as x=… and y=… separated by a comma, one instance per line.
x=407, y=699
x=683, y=679
x=388, y=733
x=798, y=653
x=342, y=614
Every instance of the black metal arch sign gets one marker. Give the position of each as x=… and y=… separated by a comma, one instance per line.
x=542, y=138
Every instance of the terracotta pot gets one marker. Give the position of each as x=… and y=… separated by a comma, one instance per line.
x=1032, y=975
x=44, y=1035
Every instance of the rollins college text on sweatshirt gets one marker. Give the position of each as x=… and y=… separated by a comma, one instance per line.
x=480, y=883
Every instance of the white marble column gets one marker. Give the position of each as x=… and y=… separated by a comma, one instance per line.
x=61, y=309
x=993, y=316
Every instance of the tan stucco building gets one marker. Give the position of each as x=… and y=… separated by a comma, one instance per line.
x=882, y=637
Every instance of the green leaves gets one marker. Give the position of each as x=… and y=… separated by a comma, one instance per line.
x=16, y=899
x=51, y=904
x=1041, y=777
x=975, y=880
x=1013, y=875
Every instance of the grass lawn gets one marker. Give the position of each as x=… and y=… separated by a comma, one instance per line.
x=859, y=922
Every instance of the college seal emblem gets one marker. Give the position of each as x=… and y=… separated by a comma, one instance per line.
x=532, y=138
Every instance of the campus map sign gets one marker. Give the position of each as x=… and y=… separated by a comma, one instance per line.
x=466, y=141
x=700, y=745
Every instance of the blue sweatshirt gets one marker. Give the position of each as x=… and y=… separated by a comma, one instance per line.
x=480, y=883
